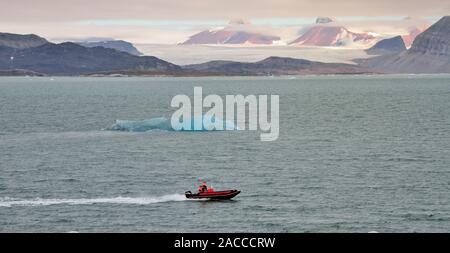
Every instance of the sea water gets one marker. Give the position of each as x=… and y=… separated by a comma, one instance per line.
x=354, y=154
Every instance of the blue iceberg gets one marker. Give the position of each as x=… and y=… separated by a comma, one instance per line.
x=162, y=123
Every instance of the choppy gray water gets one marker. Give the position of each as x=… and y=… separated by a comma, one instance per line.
x=355, y=154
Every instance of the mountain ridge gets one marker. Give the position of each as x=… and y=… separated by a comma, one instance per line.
x=276, y=66
x=429, y=53
x=72, y=59
x=388, y=46
x=119, y=45
x=21, y=41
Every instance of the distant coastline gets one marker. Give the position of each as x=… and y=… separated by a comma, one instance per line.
x=31, y=55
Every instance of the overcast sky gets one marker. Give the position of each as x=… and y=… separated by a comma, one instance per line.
x=149, y=17
x=57, y=10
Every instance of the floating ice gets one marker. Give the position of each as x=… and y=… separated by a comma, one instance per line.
x=163, y=123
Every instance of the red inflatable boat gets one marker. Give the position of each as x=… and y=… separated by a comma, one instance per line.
x=212, y=195
x=205, y=192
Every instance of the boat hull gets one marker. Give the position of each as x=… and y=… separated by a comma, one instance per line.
x=219, y=195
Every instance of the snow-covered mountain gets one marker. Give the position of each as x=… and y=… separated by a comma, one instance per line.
x=237, y=32
x=325, y=32
x=325, y=36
